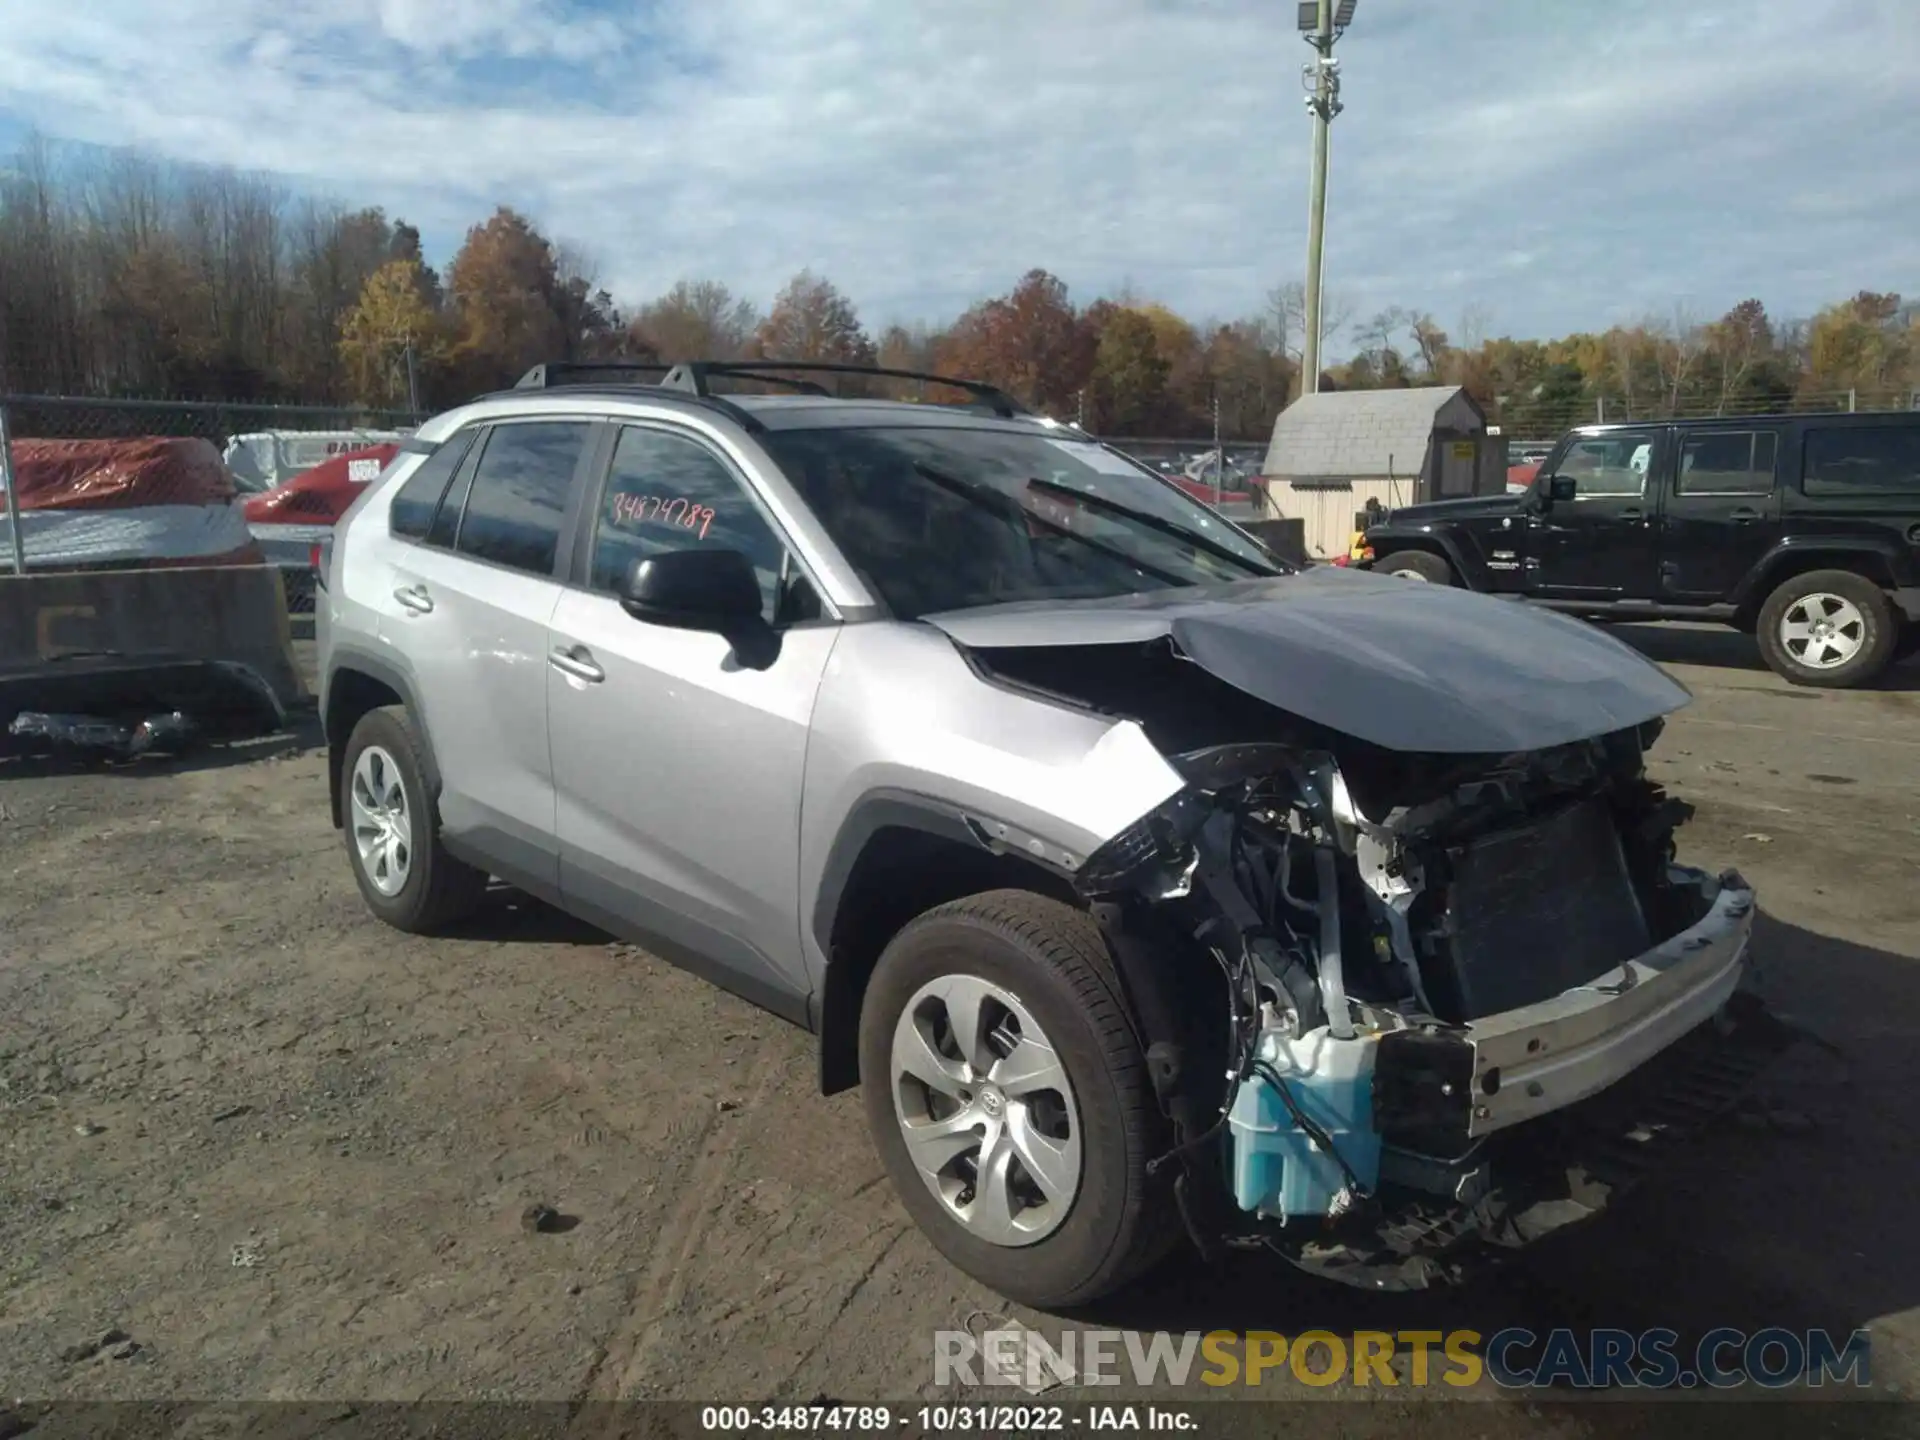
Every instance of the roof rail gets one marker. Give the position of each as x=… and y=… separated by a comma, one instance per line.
x=591, y=372
x=694, y=375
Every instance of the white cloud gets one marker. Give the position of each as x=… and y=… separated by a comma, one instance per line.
x=1560, y=166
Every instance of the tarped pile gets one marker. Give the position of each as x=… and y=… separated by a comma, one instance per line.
x=313, y=500
x=153, y=501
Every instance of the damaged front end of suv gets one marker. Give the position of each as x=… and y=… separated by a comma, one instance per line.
x=1407, y=1000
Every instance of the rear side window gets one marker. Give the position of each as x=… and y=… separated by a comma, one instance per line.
x=1727, y=462
x=518, y=499
x=446, y=521
x=413, y=506
x=1862, y=460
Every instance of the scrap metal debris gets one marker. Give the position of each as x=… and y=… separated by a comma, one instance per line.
x=167, y=734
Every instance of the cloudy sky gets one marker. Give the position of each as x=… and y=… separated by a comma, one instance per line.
x=1553, y=164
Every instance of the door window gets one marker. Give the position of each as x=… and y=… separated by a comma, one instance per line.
x=670, y=492
x=1727, y=462
x=1863, y=460
x=518, y=499
x=1608, y=464
x=412, y=511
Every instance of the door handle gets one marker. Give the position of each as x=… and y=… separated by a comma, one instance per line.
x=1636, y=513
x=1745, y=515
x=577, y=661
x=414, y=598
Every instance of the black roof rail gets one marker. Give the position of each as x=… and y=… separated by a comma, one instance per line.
x=694, y=375
x=591, y=372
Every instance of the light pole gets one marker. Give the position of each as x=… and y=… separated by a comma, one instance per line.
x=1322, y=22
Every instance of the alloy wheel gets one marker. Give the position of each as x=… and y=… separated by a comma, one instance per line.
x=1823, y=630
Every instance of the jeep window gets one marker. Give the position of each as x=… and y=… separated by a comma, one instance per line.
x=1862, y=460
x=670, y=492
x=941, y=519
x=1612, y=464
x=519, y=494
x=1727, y=462
x=414, y=504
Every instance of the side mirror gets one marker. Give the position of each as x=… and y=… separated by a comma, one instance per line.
x=1561, y=488
x=694, y=590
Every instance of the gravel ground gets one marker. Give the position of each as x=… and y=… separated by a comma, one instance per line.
x=287, y=1151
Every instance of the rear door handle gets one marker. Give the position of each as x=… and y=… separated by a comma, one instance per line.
x=414, y=598
x=577, y=661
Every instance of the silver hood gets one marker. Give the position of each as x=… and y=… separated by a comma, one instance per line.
x=1388, y=661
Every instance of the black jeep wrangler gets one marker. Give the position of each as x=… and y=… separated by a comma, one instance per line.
x=1801, y=529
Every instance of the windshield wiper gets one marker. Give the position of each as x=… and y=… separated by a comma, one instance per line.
x=998, y=501
x=1152, y=522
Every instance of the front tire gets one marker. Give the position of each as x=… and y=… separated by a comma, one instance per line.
x=1009, y=1101
x=1828, y=628
x=392, y=829
x=1417, y=565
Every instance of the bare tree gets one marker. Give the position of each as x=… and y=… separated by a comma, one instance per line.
x=1287, y=311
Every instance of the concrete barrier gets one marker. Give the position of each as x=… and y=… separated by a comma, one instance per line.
x=215, y=635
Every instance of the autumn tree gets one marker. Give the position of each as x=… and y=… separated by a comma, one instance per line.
x=697, y=320
x=391, y=336
x=812, y=320
x=1129, y=375
x=1869, y=345
x=1030, y=342
x=1248, y=376
x=512, y=307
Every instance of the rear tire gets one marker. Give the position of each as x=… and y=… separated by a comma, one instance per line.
x=1828, y=628
x=392, y=827
x=1417, y=565
x=1051, y=962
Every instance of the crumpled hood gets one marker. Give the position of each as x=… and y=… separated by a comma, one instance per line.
x=1388, y=661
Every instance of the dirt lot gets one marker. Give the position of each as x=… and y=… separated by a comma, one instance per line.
x=288, y=1150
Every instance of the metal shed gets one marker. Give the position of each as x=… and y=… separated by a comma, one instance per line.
x=1334, y=451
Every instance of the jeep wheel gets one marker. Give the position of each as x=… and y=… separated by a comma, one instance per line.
x=1009, y=1100
x=1830, y=628
x=393, y=830
x=1417, y=565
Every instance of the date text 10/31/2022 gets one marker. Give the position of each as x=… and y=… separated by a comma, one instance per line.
x=945, y=1419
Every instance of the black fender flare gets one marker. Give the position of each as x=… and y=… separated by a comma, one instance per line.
x=352, y=659
x=1791, y=550
x=1398, y=540
x=833, y=1010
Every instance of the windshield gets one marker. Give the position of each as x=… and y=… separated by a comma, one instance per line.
x=949, y=519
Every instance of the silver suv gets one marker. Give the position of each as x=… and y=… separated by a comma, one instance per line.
x=1147, y=885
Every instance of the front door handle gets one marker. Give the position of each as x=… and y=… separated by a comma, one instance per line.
x=414, y=598
x=1745, y=515
x=1636, y=513
x=577, y=661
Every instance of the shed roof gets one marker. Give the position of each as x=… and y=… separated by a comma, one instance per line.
x=1364, y=432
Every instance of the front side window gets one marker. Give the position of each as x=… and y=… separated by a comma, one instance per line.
x=1727, y=462
x=941, y=519
x=518, y=498
x=1614, y=464
x=670, y=492
x=1862, y=460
